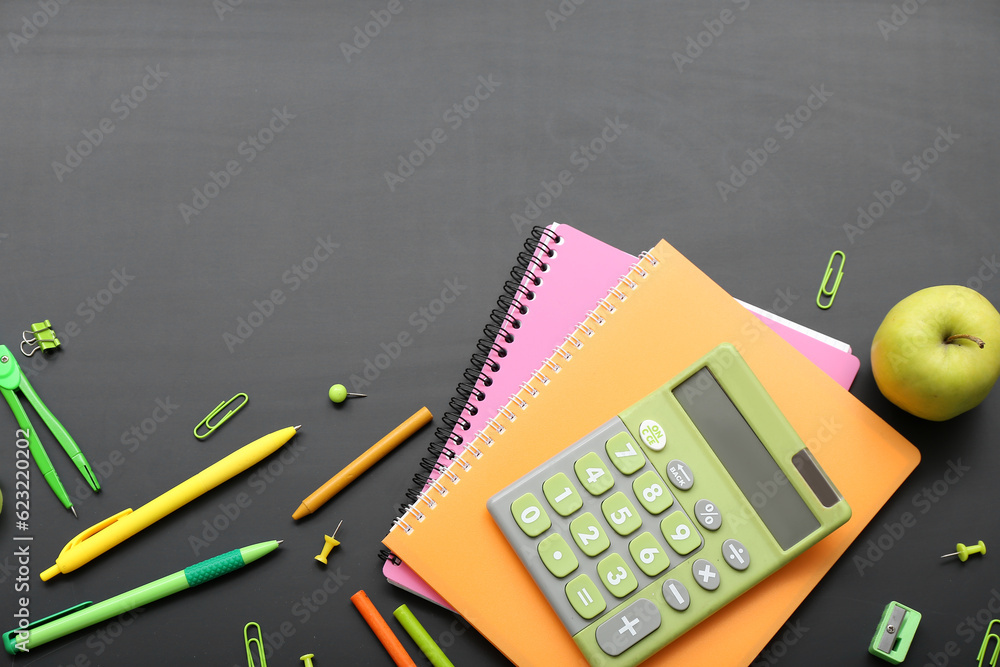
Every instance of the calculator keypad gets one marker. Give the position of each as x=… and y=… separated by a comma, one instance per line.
x=608, y=523
x=663, y=515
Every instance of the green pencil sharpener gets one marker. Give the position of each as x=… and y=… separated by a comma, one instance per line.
x=894, y=633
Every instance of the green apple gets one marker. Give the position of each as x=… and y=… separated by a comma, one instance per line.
x=937, y=353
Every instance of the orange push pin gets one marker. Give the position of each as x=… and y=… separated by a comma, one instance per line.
x=964, y=552
x=331, y=542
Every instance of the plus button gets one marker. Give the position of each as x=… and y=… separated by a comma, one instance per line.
x=628, y=626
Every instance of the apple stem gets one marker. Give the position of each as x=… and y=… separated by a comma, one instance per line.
x=977, y=341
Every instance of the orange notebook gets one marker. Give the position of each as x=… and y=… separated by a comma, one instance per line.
x=663, y=316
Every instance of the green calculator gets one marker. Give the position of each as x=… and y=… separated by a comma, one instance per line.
x=662, y=516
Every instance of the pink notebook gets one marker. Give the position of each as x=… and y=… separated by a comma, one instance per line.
x=565, y=274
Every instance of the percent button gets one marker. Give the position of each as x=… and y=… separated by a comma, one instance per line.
x=707, y=514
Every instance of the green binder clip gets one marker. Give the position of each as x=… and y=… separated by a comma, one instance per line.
x=825, y=290
x=42, y=336
x=894, y=633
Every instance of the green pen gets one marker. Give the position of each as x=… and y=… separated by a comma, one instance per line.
x=86, y=614
x=13, y=380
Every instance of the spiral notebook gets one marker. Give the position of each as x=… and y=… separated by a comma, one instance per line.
x=629, y=345
x=565, y=271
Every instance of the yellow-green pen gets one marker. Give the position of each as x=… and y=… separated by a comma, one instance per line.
x=421, y=638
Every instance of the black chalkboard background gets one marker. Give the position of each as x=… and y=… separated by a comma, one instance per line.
x=170, y=168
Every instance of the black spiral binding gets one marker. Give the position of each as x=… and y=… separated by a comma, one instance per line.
x=500, y=331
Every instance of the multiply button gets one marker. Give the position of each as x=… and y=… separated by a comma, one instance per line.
x=629, y=626
x=736, y=554
x=705, y=574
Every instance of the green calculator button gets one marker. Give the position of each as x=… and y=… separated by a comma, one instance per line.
x=616, y=575
x=680, y=534
x=529, y=515
x=621, y=514
x=562, y=495
x=648, y=554
x=585, y=597
x=625, y=454
x=588, y=534
x=557, y=556
x=652, y=492
x=593, y=474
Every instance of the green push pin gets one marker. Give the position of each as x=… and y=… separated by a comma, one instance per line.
x=964, y=552
x=339, y=393
x=308, y=659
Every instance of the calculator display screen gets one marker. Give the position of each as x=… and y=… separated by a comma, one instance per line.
x=749, y=463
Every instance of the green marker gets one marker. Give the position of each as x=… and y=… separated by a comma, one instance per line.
x=421, y=637
x=87, y=613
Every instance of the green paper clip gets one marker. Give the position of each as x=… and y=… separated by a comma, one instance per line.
x=986, y=642
x=254, y=644
x=824, y=290
x=211, y=427
x=894, y=633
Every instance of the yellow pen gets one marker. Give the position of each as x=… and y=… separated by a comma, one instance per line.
x=114, y=530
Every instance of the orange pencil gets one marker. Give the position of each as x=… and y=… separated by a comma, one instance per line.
x=382, y=630
x=363, y=463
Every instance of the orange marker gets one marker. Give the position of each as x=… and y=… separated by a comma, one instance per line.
x=382, y=630
x=363, y=463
